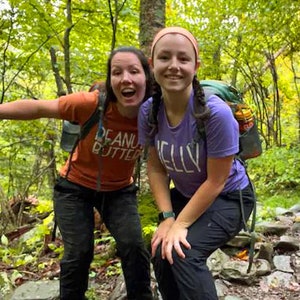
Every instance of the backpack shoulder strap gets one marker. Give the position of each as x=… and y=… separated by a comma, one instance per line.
x=86, y=127
x=94, y=118
x=208, y=92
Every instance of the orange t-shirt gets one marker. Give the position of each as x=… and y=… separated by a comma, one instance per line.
x=110, y=162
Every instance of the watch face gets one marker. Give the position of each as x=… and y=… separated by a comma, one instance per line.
x=165, y=215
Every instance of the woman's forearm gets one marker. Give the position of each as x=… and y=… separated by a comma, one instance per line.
x=19, y=110
x=29, y=109
x=198, y=204
x=217, y=174
x=159, y=182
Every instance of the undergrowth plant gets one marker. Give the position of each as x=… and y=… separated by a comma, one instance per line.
x=276, y=177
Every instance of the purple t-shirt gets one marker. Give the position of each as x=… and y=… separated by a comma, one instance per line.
x=183, y=156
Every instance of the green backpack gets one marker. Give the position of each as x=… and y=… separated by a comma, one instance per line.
x=249, y=140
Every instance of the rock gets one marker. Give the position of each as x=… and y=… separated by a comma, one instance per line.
x=37, y=290
x=119, y=292
x=281, y=211
x=278, y=279
x=266, y=252
x=221, y=288
x=237, y=270
x=295, y=208
x=283, y=263
x=295, y=263
x=287, y=243
x=216, y=260
x=241, y=240
x=232, y=298
x=263, y=267
x=288, y=221
x=272, y=228
x=296, y=227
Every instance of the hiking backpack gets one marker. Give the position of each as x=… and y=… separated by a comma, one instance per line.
x=72, y=132
x=249, y=139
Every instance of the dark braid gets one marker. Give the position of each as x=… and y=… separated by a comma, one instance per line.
x=201, y=111
x=152, y=120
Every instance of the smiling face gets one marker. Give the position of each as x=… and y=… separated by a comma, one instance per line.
x=174, y=62
x=128, y=80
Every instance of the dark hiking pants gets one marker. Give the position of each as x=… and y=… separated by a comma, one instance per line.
x=74, y=213
x=190, y=278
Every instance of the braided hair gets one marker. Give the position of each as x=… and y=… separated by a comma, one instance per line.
x=201, y=111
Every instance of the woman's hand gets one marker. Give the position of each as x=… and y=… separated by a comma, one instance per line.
x=175, y=238
x=160, y=234
x=170, y=234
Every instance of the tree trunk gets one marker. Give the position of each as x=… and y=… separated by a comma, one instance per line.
x=152, y=18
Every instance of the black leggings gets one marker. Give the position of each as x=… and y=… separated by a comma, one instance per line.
x=74, y=213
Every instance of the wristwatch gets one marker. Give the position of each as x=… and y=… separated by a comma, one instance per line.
x=165, y=215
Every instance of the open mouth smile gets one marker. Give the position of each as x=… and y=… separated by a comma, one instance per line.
x=128, y=92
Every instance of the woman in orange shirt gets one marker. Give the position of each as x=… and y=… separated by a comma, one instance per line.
x=99, y=174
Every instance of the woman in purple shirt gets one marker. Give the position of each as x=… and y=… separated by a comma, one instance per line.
x=203, y=211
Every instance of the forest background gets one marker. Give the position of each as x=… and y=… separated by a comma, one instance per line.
x=49, y=48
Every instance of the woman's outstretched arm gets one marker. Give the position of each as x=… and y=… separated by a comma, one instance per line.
x=29, y=109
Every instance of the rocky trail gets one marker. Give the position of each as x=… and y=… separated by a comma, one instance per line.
x=275, y=274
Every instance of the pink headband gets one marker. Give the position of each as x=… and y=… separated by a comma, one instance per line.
x=174, y=30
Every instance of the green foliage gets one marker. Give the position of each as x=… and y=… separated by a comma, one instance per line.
x=105, y=238
x=147, y=208
x=8, y=281
x=264, y=213
x=27, y=249
x=110, y=249
x=114, y=269
x=15, y=255
x=22, y=159
x=44, y=206
x=278, y=169
x=59, y=250
x=5, y=250
x=91, y=294
x=276, y=176
x=5, y=283
x=148, y=213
